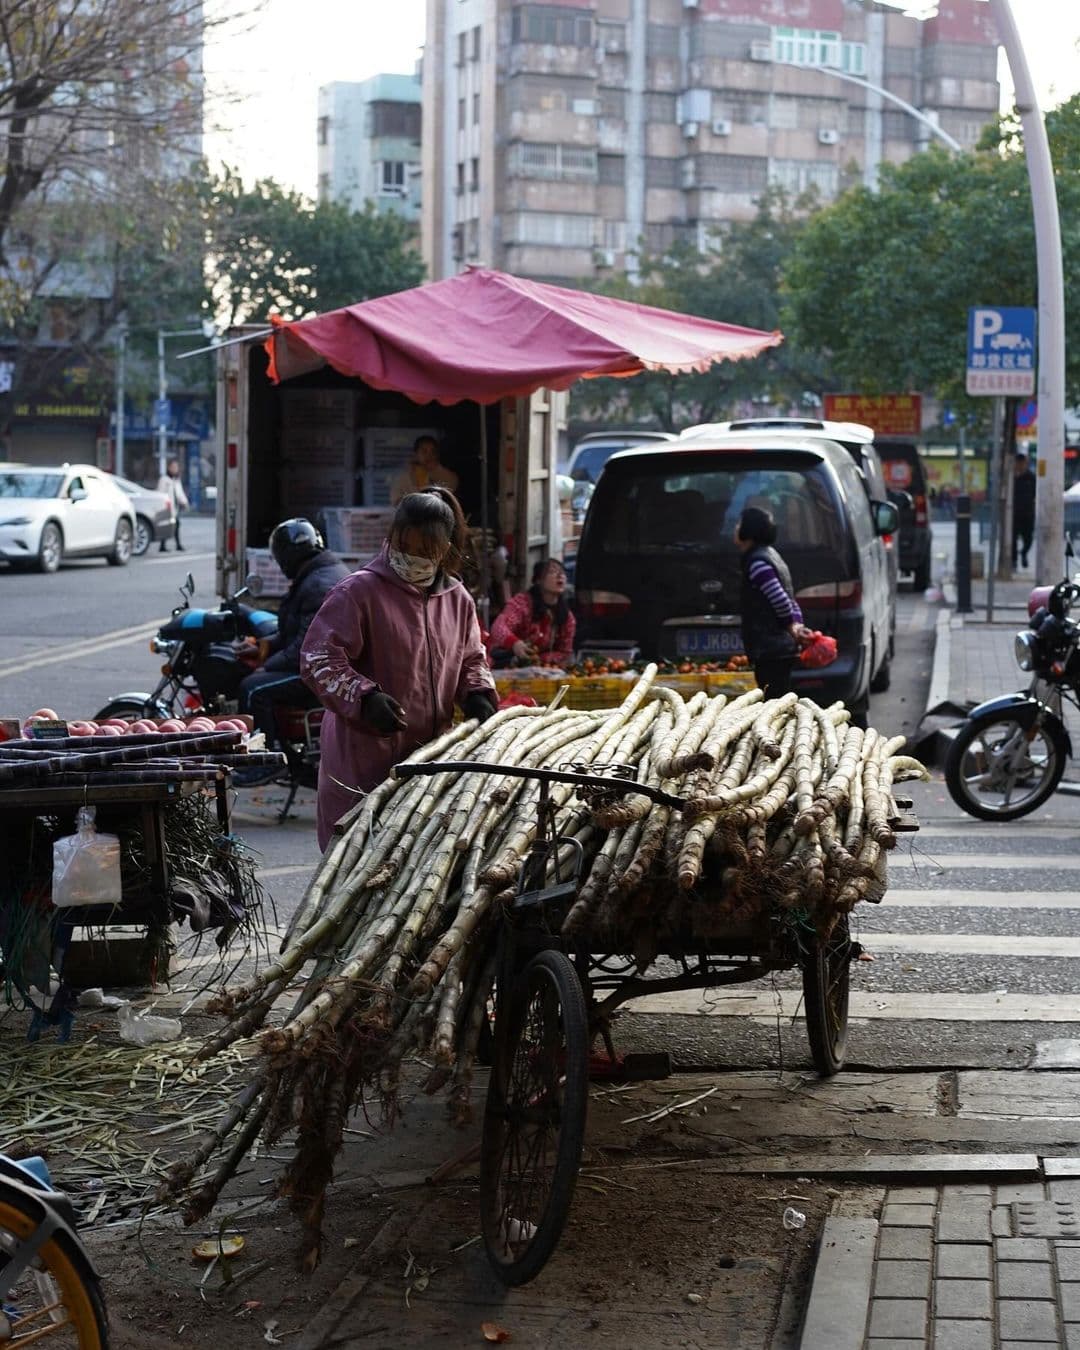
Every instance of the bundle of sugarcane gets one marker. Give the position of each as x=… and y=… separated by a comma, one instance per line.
x=786, y=804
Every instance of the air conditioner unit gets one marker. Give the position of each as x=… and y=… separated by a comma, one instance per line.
x=761, y=51
x=688, y=173
x=689, y=130
x=828, y=136
x=721, y=126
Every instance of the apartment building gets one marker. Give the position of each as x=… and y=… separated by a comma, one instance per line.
x=564, y=134
x=368, y=136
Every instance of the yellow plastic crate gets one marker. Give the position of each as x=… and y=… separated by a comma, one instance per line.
x=730, y=682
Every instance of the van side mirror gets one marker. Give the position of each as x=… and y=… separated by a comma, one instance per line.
x=886, y=517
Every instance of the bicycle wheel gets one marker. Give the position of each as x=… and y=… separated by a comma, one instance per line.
x=826, y=983
x=56, y=1300
x=534, y=1118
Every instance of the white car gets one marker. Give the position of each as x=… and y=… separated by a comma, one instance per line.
x=75, y=511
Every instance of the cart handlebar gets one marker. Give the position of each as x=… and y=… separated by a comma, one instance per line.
x=598, y=782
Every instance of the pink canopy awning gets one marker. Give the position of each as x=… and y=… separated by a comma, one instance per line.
x=486, y=335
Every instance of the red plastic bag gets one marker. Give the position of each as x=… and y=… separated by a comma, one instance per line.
x=819, y=651
x=517, y=701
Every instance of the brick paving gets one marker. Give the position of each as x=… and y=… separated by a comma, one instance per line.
x=976, y=1268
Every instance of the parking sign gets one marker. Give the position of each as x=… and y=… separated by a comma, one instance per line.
x=1001, y=351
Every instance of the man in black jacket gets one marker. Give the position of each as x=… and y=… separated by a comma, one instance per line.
x=313, y=571
x=1024, y=487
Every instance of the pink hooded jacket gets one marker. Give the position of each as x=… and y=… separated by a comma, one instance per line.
x=375, y=631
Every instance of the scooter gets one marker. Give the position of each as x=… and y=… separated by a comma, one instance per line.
x=206, y=658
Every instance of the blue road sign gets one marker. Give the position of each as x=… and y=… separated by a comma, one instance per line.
x=1001, y=351
x=162, y=413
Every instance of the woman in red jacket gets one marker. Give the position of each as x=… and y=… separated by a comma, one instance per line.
x=536, y=627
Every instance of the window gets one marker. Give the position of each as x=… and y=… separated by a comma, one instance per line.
x=476, y=110
x=472, y=239
x=476, y=43
x=553, y=25
x=323, y=188
x=461, y=114
x=613, y=104
x=813, y=47
x=393, y=117
x=462, y=40
x=323, y=130
x=800, y=175
x=611, y=170
x=392, y=178
x=474, y=175
x=550, y=227
x=661, y=172
x=531, y=159
x=610, y=37
x=460, y=177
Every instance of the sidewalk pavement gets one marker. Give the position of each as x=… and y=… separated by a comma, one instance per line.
x=967, y=1267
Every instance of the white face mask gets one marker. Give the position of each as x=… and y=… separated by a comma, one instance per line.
x=418, y=571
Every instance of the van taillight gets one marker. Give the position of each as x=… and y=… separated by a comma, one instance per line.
x=831, y=595
x=921, y=518
x=602, y=604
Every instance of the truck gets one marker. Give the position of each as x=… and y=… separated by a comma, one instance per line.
x=329, y=446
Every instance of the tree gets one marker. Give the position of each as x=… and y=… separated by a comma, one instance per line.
x=95, y=97
x=736, y=281
x=880, y=283
x=271, y=250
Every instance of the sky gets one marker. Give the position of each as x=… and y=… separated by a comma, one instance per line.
x=274, y=64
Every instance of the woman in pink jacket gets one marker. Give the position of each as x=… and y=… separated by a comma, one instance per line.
x=393, y=648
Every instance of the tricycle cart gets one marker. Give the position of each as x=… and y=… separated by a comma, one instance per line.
x=553, y=996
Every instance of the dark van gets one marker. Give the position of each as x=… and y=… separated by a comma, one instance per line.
x=657, y=566
x=906, y=473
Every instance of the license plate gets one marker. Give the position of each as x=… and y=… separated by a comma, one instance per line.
x=709, y=641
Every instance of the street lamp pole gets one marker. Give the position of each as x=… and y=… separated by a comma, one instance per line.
x=121, y=355
x=163, y=428
x=1050, y=497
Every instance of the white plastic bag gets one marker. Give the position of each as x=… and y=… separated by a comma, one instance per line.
x=86, y=865
x=143, y=1028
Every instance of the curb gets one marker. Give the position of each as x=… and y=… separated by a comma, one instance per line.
x=939, y=673
x=839, y=1304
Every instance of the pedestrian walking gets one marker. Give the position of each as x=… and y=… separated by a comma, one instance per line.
x=170, y=484
x=772, y=622
x=1023, y=509
x=394, y=647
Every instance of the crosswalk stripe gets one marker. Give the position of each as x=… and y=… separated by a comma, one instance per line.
x=972, y=831
x=928, y=1006
x=972, y=944
x=1033, y=863
x=948, y=898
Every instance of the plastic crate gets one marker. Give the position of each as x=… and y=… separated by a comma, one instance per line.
x=542, y=689
x=358, y=531
x=260, y=563
x=731, y=682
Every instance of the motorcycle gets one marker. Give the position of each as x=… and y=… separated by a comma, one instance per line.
x=1010, y=753
x=206, y=658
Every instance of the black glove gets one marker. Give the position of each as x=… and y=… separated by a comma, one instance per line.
x=479, y=705
x=383, y=713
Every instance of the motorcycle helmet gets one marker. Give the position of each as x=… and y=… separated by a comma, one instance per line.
x=293, y=542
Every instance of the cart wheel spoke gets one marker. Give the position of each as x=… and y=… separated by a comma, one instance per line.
x=534, y=1120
